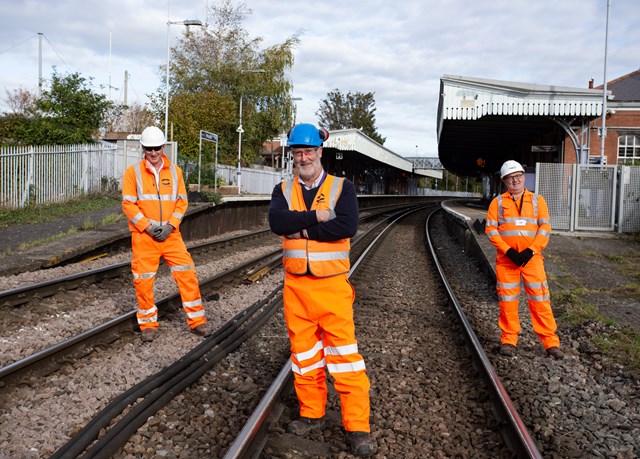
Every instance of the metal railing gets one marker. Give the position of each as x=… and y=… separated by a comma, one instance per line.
x=32, y=175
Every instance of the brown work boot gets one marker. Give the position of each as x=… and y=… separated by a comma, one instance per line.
x=148, y=334
x=303, y=426
x=508, y=350
x=360, y=443
x=200, y=330
x=555, y=352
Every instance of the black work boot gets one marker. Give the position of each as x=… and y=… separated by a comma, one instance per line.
x=555, y=352
x=361, y=443
x=303, y=426
x=148, y=334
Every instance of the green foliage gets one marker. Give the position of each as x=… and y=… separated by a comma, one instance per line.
x=350, y=111
x=69, y=112
x=210, y=72
x=36, y=214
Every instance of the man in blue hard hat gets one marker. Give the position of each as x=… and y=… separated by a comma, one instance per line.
x=316, y=214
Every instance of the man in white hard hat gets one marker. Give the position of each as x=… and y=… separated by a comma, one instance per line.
x=518, y=225
x=154, y=199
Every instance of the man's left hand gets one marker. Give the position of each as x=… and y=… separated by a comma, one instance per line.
x=525, y=256
x=162, y=232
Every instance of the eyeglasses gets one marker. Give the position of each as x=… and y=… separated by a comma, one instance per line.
x=514, y=178
x=153, y=148
x=308, y=152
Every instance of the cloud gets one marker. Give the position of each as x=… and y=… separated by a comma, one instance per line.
x=397, y=50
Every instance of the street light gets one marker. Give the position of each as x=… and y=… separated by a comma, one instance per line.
x=186, y=22
x=240, y=131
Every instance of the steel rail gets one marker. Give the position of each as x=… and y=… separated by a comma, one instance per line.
x=517, y=436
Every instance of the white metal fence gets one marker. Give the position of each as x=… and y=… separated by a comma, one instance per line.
x=54, y=173
x=585, y=197
x=254, y=181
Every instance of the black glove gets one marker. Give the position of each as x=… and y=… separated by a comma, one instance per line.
x=514, y=256
x=525, y=256
x=162, y=232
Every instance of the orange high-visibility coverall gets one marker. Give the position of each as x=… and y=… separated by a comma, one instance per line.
x=520, y=225
x=146, y=202
x=318, y=301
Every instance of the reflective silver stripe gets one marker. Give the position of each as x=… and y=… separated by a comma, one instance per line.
x=294, y=254
x=147, y=320
x=542, y=232
x=183, y=196
x=302, y=370
x=193, y=315
x=538, y=298
x=306, y=355
x=153, y=310
x=533, y=221
x=182, y=268
x=147, y=197
x=129, y=198
x=346, y=367
x=144, y=275
x=155, y=222
x=139, y=216
x=178, y=215
x=341, y=350
x=328, y=256
x=518, y=233
x=492, y=233
x=544, y=220
x=508, y=297
x=533, y=285
x=286, y=191
x=333, y=192
x=508, y=284
x=491, y=223
x=191, y=304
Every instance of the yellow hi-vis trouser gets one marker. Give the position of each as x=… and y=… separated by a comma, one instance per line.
x=146, y=253
x=508, y=277
x=319, y=315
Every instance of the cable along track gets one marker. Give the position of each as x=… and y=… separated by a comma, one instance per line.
x=430, y=396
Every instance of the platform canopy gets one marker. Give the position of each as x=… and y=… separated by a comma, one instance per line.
x=483, y=122
x=353, y=140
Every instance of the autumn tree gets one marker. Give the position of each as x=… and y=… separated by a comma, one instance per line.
x=68, y=112
x=350, y=111
x=210, y=64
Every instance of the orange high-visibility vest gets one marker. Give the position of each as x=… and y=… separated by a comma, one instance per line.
x=145, y=202
x=518, y=225
x=304, y=256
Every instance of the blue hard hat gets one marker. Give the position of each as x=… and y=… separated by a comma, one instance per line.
x=306, y=135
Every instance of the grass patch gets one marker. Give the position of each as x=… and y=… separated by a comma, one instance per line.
x=55, y=237
x=621, y=345
x=45, y=213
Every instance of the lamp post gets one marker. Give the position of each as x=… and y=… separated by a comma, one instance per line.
x=186, y=22
x=240, y=131
x=603, y=132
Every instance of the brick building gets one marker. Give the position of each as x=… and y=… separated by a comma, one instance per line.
x=622, y=124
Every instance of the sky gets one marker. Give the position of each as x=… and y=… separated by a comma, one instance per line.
x=398, y=50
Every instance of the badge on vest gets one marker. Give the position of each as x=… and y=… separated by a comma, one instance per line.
x=521, y=222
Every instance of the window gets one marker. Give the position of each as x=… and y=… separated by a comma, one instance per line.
x=629, y=150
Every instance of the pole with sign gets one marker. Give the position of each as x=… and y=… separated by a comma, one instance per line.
x=204, y=135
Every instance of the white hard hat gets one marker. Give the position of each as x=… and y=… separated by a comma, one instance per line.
x=152, y=137
x=509, y=167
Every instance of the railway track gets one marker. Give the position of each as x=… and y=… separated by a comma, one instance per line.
x=234, y=368
x=430, y=397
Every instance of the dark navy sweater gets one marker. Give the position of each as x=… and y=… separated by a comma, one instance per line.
x=284, y=221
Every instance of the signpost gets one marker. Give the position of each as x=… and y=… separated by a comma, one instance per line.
x=204, y=135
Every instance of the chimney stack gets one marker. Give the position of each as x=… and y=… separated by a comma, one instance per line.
x=591, y=83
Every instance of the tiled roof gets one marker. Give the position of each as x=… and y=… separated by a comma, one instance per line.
x=626, y=88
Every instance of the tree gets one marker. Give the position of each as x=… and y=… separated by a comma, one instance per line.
x=350, y=111
x=209, y=63
x=20, y=101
